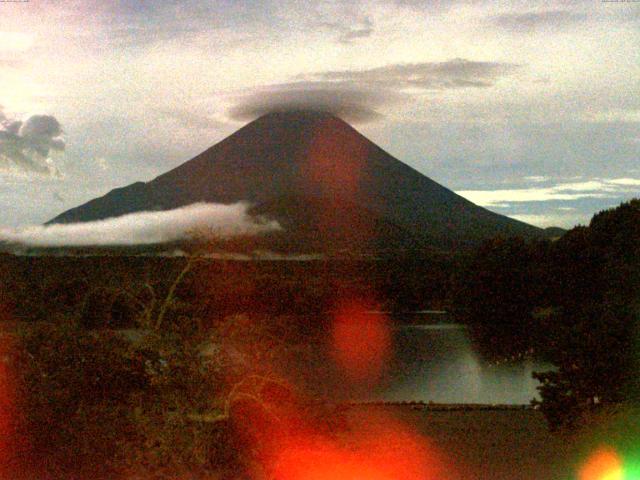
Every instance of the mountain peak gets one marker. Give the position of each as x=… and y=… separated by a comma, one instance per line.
x=299, y=119
x=299, y=113
x=325, y=183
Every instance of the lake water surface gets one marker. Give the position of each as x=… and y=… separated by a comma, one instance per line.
x=438, y=363
x=435, y=363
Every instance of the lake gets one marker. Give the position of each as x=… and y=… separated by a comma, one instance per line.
x=438, y=363
x=432, y=363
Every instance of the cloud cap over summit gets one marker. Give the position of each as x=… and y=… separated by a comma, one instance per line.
x=342, y=100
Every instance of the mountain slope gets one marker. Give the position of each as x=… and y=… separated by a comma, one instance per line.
x=315, y=174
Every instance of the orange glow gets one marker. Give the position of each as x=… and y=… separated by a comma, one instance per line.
x=335, y=160
x=361, y=341
x=273, y=426
x=380, y=449
x=334, y=171
x=604, y=464
x=325, y=462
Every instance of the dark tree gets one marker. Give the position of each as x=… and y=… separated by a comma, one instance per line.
x=595, y=340
x=498, y=293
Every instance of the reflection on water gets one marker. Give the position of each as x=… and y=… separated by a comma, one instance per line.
x=437, y=363
x=434, y=363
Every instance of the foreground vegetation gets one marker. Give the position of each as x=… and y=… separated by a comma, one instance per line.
x=157, y=404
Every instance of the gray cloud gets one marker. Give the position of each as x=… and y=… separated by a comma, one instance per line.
x=26, y=145
x=451, y=74
x=198, y=219
x=526, y=22
x=339, y=98
x=347, y=33
x=135, y=23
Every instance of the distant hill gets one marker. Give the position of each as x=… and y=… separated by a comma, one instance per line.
x=328, y=186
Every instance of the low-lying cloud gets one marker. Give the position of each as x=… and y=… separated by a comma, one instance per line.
x=557, y=218
x=26, y=144
x=194, y=221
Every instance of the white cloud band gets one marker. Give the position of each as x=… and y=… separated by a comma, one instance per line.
x=598, y=188
x=198, y=219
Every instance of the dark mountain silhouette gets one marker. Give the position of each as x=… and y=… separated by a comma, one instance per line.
x=328, y=186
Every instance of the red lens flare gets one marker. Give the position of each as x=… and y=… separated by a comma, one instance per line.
x=603, y=464
x=378, y=449
x=334, y=172
x=335, y=160
x=361, y=340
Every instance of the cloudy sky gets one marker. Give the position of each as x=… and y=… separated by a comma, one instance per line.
x=531, y=109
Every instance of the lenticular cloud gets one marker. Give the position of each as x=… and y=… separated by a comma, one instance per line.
x=144, y=228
